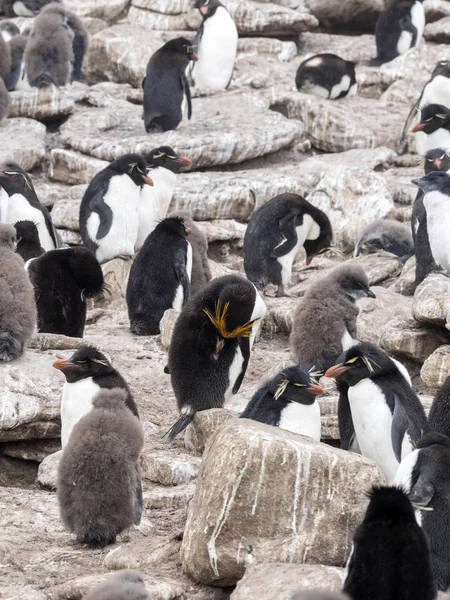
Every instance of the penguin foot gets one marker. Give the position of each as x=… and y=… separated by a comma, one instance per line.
x=282, y=292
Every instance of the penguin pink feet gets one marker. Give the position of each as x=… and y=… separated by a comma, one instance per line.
x=282, y=292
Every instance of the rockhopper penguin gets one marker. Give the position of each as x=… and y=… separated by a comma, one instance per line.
x=327, y=76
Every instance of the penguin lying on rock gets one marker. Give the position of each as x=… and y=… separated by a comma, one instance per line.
x=388, y=235
x=399, y=28
x=124, y=585
x=327, y=76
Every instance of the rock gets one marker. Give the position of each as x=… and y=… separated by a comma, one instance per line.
x=284, y=498
x=173, y=497
x=16, y=473
x=73, y=167
x=439, y=31
x=432, y=301
x=157, y=21
x=116, y=273
x=168, y=469
x=357, y=12
x=436, y=368
x=94, y=25
x=27, y=592
x=225, y=230
x=26, y=142
x=411, y=339
x=356, y=48
x=66, y=213
x=265, y=581
x=166, y=7
x=407, y=276
x=330, y=424
x=36, y=450
x=55, y=341
x=285, y=51
x=107, y=10
x=379, y=266
x=167, y=325
x=45, y=102
x=436, y=9
x=376, y=313
x=48, y=192
x=70, y=237
x=205, y=423
x=48, y=471
x=31, y=397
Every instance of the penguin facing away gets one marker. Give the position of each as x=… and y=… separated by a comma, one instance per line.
x=378, y=402
x=327, y=76
x=399, y=28
x=390, y=559
x=109, y=210
x=433, y=129
x=276, y=233
x=63, y=279
x=28, y=243
x=24, y=8
x=211, y=345
x=288, y=401
x=324, y=322
x=388, y=235
x=166, y=87
x=18, y=202
x=98, y=476
x=216, y=42
x=124, y=585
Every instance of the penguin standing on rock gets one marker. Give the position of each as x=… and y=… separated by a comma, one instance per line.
x=216, y=42
x=97, y=475
x=109, y=211
x=399, y=28
x=390, y=559
x=211, y=345
x=377, y=402
x=160, y=276
x=276, y=233
x=327, y=76
x=63, y=279
x=388, y=235
x=28, y=243
x=124, y=585
x=289, y=401
x=166, y=88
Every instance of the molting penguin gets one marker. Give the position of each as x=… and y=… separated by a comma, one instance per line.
x=163, y=165
x=24, y=8
x=160, y=276
x=327, y=76
x=324, y=323
x=388, y=235
x=377, y=402
x=399, y=28
x=211, y=345
x=124, y=585
x=289, y=401
x=18, y=202
x=97, y=477
x=28, y=243
x=109, y=211
x=216, y=43
x=166, y=88
x=276, y=233
x=17, y=307
x=4, y=101
x=390, y=559
x=434, y=127
x=63, y=279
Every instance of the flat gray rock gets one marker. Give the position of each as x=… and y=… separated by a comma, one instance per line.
x=26, y=142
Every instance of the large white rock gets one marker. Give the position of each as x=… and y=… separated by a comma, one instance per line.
x=336, y=12
x=432, y=301
x=411, y=339
x=108, y=10
x=26, y=142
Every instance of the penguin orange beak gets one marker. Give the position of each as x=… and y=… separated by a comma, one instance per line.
x=188, y=230
x=184, y=161
x=62, y=364
x=204, y=10
x=316, y=390
x=418, y=127
x=336, y=370
x=148, y=180
x=437, y=163
x=195, y=56
x=309, y=260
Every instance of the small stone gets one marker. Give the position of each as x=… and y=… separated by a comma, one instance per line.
x=168, y=469
x=436, y=368
x=48, y=471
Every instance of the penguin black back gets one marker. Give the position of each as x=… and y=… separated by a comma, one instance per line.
x=28, y=243
x=326, y=75
x=390, y=558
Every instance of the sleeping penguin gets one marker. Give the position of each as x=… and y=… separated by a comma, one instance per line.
x=28, y=243
x=388, y=235
x=24, y=8
x=289, y=401
x=434, y=127
x=377, y=402
x=276, y=233
x=211, y=345
x=109, y=210
x=166, y=88
x=216, y=43
x=399, y=28
x=327, y=76
x=18, y=202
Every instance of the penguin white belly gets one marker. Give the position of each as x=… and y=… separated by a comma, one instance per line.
x=122, y=197
x=259, y=311
x=19, y=209
x=404, y=42
x=438, y=224
x=216, y=51
x=347, y=341
x=302, y=419
x=287, y=260
x=179, y=299
x=23, y=84
x=340, y=87
x=403, y=477
x=234, y=372
x=372, y=420
x=316, y=90
x=353, y=90
x=76, y=402
x=425, y=142
x=418, y=20
x=154, y=202
x=436, y=92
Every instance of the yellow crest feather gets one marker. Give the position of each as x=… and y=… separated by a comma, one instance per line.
x=218, y=319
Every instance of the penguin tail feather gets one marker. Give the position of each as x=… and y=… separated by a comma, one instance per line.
x=179, y=426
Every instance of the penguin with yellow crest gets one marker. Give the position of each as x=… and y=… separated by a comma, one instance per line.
x=211, y=345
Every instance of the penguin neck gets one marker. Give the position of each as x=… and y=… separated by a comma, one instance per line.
x=164, y=181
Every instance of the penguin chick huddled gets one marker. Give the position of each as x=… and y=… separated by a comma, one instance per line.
x=24, y=8
x=377, y=406
x=324, y=323
x=389, y=235
x=390, y=559
x=327, y=76
x=211, y=345
x=399, y=28
x=124, y=585
x=160, y=276
x=289, y=401
x=63, y=280
x=276, y=233
x=28, y=242
x=17, y=306
x=97, y=475
x=166, y=88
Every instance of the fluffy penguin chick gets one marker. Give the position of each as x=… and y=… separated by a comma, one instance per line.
x=97, y=476
x=17, y=307
x=288, y=401
x=377, y=403
x=390, y=559
x=327, y=76
x=124, y=585
x=399, y=28
x=24, y=8
x=8, y=30
x=4, y=101
x=28, y=243
x=324, y=323
x=63, y=279
x=389, y=235
x=5, y=59
x=211, y=345
x=276, y=233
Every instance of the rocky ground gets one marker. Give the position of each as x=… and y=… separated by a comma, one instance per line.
x=258, y=139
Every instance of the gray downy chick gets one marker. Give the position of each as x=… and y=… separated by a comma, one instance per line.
x=4, y=101
x=17, y=306
x=389, y=235
x=124, y=585
x=8, y=30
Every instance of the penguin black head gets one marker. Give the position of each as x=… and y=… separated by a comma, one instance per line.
x=7, y=236
x=435, y=181
x=353, y=282
x=85, y=362
x=8, y=29
x=363, y=361
x=323, y=241
x=437, y=159
x=134, y=166
x=207, y=7
x=441, y=68
x=174, y=225
x=181, y=46
x=166, y=157
x=294, y=384
x=13, y=179
x=389, y=504
x=28, y=243
x=433, y=117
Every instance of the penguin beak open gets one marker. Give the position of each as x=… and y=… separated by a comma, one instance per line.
x=316, y=390
x=417, y=127
x=61, y=365
x=183, y=161
x=336, y=370
x=148, y=180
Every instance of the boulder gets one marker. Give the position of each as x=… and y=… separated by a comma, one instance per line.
x=436, y=368
x=432, y=301
x=116, y=273
x=167, y=325
x=379, y=267
x=160, y=497
x=436, y=9
x=357, y=48
x=411, y=339
x=34, y=450
x=285, y=51
x=167, y=469
x=336, y=13
x=73, y=167
x=45, y=102
x=283, y=498
x=107, y=10
x=406, y=278
x=204, y=424
x=26, y=142
x=48, y=471
x=157, y=21
x=376, y=313
x=438, y=31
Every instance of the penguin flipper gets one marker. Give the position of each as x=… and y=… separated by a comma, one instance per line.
x=289, y=233
x=98, y=205
x=399, y=428
x=178, y=427
x=139, y=500
x=244, y=344
x=182, y=276
x=346, y=427
x=187, y=91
